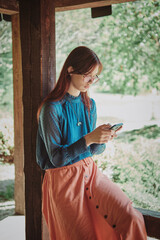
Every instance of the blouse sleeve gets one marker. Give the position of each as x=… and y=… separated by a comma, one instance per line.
x=95, y=148
x=50, y=132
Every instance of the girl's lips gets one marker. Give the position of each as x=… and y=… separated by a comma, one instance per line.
x=87, y=86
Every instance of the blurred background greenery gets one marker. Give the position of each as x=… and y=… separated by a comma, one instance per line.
x=128, y=44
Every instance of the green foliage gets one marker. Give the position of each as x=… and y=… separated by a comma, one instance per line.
x=150, y=132
x=132, y=47
x=6, y=76
x=8, y=193
x=127, y=42
x=6, y=140
x=6, y=151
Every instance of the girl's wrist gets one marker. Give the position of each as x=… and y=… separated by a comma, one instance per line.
x=88, y=139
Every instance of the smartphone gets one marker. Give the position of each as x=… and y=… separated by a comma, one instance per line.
x=115, y=127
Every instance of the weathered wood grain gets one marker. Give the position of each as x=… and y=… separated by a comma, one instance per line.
x=37, y=26
x=64, y=5
x=9, y=7
x=18, y=117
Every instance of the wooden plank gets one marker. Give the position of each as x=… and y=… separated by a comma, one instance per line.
x=64, y=5
x=152, y=222
x=101, y=11
x=18, y=117
x=9, y=7
x=37, y=24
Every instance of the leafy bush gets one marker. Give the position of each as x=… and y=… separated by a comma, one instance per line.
x=8, y=193
x=6, y=140
x=6, y=151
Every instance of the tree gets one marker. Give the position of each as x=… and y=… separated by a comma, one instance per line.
x=127, y=42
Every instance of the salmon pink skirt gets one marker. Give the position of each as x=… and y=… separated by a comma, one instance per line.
x=81, y=203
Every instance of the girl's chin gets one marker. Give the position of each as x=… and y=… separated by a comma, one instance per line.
x=84, y=90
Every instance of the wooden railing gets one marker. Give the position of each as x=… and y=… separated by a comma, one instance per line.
x=152, y=222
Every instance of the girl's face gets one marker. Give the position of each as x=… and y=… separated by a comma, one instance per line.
x=79, y=83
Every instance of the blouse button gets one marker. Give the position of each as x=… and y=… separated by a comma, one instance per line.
x=105, y=216
x=89, y=197
x=97, y=206
x=87, y=188
x=114, y=226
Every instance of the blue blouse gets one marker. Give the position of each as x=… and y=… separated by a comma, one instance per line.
x=60, y=141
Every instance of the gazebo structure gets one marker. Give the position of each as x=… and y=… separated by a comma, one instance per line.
x=34, y=75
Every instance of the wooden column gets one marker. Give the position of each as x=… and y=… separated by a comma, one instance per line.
x=37, y=25
x=18, y=117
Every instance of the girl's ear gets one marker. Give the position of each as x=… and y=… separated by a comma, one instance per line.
x=70, y=69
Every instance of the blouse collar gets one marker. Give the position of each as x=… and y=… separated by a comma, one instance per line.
x=72, y=98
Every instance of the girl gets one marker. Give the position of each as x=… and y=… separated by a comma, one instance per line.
x=79, y=202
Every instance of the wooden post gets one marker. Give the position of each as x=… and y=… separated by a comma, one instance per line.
x=48, y=77
x=37, y=24
x=48, y=61
x=18, y=117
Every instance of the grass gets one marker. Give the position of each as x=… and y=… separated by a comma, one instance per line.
x=132, y=161
x=149, y=132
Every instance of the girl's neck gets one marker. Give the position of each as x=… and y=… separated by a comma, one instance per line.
x=74, y=92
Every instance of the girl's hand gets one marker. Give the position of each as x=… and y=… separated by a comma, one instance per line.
x=114, y=134
x=101, y=134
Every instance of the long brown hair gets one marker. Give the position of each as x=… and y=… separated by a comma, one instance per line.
x=83, y=60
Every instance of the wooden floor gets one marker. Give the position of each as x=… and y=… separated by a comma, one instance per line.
x=12, y=227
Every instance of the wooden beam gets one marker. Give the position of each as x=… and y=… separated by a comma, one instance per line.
x=101, y=11
x=12, y=6
x=7, y=18
x=9, y=7
x=152, y=222
x=37, y=24
x=18, y=117
x=64, y=5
